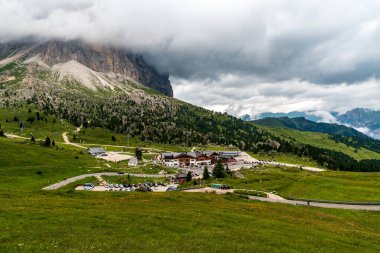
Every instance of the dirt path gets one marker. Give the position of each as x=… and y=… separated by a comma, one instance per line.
x=101, y=180
x=15, y=136
x=313, y=169
x=67, y=141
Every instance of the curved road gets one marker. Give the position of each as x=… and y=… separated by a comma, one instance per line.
x=73, y=179
x=278, y=199
x=319, y=204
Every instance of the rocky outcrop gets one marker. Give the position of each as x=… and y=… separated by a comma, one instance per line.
x=100, y=59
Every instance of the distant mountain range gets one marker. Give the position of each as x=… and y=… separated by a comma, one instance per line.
x=302, y=124
x=364, y=120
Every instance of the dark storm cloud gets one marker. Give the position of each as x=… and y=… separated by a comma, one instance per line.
x=275, y=39
x=242, y=49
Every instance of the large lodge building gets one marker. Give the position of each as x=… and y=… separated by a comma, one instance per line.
x=197, y=158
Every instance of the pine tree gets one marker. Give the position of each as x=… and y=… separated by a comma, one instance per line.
x=206, y=173
x=47, y=141
x=138, y=153
x=189, y=176
x=218, y=170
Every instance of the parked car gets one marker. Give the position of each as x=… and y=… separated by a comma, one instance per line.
x=171, y=188
x=225, y=187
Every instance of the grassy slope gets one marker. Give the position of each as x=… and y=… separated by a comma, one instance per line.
x=321, y=140
x=175, y=222
x=182, y=222
x=39, y=128
x=329, y=185
x=20, y=162
x=102, y=136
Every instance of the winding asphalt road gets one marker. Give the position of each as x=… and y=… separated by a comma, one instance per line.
x=273, y=198
x=73, y=179
x=319, y=204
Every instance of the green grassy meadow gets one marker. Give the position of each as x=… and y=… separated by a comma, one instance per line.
x=33, y=220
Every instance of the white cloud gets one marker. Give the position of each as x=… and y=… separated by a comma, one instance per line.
x=248, y=95
x=325, y=116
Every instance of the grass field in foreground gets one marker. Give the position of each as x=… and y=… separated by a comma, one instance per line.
x=32, y=220
x=177, y=222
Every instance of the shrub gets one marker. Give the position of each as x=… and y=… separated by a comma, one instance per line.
x=47, y=141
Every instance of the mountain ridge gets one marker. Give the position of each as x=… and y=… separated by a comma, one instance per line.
x=302, y=124
x=363, y=120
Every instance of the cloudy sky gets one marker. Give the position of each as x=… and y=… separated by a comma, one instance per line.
x=239, y=56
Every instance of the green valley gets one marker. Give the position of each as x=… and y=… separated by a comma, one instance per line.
x=96, y=155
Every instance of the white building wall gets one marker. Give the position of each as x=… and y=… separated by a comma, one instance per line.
x=208, y=162
x=172, y=163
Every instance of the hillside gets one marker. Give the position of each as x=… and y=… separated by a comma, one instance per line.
x=302, y=124
x=324, y=141
x=337, y=133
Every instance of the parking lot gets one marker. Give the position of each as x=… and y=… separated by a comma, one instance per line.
x=144, y=187
x=115, y=156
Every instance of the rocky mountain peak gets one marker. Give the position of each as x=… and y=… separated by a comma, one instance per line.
x=98, y=58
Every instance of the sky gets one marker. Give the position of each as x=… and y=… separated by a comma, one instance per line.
x=235, y=56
